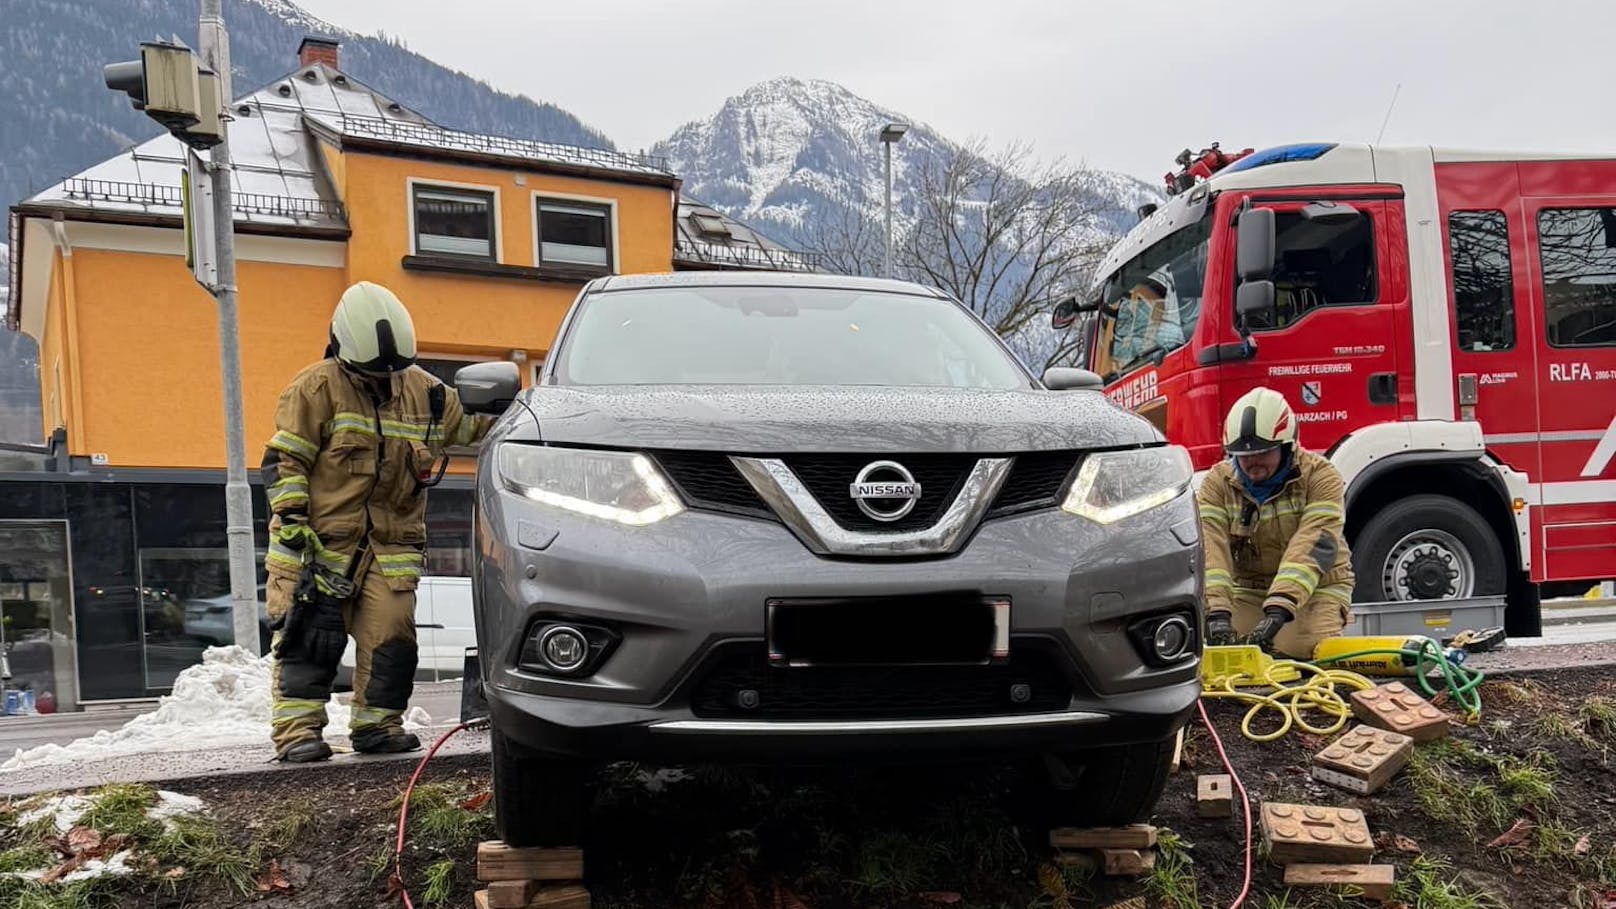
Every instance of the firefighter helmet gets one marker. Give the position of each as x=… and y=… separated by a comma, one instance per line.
x=1260, y=421
x=371, y=331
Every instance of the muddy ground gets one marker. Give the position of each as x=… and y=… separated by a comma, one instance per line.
x=718, y=838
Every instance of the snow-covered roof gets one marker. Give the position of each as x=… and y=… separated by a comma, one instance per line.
x=705, y=237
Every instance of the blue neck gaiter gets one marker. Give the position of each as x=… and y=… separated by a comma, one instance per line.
x=1265, y=490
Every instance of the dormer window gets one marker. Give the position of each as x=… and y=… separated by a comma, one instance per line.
x=712, y=225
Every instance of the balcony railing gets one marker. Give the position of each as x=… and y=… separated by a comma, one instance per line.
x=170, y=196
x=720, y=255
x=430, y=136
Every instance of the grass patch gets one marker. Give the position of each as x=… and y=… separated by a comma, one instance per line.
x=95, y=893
x=1528, y=783
x=285, y=824
x=1598, y=716
x=439, y=882
x=1171, y=883
x=1513, y=693
x=379, y=863
x=1447, y=797
x=120, y=810
x=201, y=848
x=1063, y=886
x=894, y=864
x=1559, y=726
x=27, y=857
x=1427, y=886
x=439, y=823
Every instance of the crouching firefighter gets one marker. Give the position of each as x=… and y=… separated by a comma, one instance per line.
x=1278, y=570
x=356, y=439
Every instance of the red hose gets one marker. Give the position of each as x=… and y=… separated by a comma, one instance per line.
x=1244, y=801
x=404, y=814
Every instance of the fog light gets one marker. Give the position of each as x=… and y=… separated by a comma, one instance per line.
x=564, y=648
x=1171, y=638
x=1020, y=693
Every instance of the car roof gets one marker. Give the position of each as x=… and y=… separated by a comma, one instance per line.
x=759, y=279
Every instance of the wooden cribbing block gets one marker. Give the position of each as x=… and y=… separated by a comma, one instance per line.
x=1136, y=836
x=1128, y=862
x=1363, y=760
x=1395, y=707
x=569, y=896
x=511, y=894
x=499, y=862
x=1374, y=882
x=1296, y=834
x=480, y=899
x=1214, y=795
x=1134, y=902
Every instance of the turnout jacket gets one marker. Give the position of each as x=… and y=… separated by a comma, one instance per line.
x=352, y=464
x=1288, y=547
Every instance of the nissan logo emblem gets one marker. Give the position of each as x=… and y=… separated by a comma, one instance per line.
x=885, y=490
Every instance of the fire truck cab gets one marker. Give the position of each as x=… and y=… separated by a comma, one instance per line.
x=1443, y=323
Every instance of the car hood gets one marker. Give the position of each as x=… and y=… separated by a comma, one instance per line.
x=768, y=420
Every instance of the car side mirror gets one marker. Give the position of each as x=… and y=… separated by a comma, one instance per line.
x=1254, y=252
x=1254, y=298
x=1065, y=378
x=488, y=387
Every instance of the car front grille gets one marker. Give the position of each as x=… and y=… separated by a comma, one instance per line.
x=876, y=692
x=707, y=480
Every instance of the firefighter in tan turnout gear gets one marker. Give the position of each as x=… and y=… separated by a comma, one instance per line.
x=1278, y=571
x=356, y=438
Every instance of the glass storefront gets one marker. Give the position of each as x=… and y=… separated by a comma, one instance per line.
x=149, y=585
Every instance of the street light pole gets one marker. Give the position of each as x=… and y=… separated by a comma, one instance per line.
x=215, y=52
x=890, y=134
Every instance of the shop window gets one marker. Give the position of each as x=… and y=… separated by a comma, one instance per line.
x=1577, y=249
x=36, y=601
x=454, y=222
x=574, y=234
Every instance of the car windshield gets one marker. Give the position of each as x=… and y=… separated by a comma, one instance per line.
x=1151, y=305
x=781, y=336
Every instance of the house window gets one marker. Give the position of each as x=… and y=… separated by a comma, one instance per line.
x=574, y=233
x=711, y=225
x=1577, y=248
x=454, y=222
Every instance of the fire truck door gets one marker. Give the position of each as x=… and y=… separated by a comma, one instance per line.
x=1573, y=248
x=1330, y=343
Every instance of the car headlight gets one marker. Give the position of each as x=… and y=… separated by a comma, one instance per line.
x=1113, y=485
x=624, y=487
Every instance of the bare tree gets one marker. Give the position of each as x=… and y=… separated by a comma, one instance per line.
x=1007, y=236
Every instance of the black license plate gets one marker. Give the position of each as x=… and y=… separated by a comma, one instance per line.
x=938, y=630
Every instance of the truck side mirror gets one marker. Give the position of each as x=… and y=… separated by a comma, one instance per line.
x=1064, y=314
x=1064, y=378
x=488, y=387
x=1254, y=252
x=1254, y=299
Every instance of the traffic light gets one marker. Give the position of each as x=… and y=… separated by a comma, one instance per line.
x=170, y=86
x=162, y=83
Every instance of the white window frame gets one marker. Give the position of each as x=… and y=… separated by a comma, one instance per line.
x=410, y=185
x=539, y=197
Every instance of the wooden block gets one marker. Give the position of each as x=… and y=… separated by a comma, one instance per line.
x=1395, y=707
x=1137, y=836
x=499, y=862
x=1134, y=902
x=1374, y=882
x=480, y=899
x=511, y=894
x=570, y=896
x=1214, y=795
x=1296, y=834
x=1178, y=751
x=1363, y=760
x=1128, y=862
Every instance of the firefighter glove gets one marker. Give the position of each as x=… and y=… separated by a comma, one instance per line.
x=1274, y=618
x=1219, y=632
x=296, y=534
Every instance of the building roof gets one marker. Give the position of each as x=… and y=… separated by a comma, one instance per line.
x=706, y=238
x=279, y=182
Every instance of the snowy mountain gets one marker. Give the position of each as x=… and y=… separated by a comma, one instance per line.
x=787, y=152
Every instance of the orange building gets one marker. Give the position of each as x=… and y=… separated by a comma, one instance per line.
x=486, y=239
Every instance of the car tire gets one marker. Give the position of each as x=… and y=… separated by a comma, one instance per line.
x=1106, y=787
x=1454, y=527
x=538, y=800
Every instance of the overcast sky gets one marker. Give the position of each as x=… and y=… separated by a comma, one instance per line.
x=1124, y=84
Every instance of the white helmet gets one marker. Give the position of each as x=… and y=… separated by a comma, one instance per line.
x=371, y=331
x=1261, y=420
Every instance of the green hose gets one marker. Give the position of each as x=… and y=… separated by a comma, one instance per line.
x=1461, y=683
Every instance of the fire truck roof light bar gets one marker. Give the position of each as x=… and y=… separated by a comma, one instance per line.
x=1306, y=151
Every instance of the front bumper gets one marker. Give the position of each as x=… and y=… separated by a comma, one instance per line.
x=687, y=596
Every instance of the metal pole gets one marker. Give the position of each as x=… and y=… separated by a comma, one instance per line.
x=888, y=146
x=215, y=48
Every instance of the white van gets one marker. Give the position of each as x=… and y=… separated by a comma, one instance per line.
x=443, y=629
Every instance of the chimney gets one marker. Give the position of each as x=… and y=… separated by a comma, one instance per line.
x=316, y=49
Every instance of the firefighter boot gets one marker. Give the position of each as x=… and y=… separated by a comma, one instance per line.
x=381, y=740
x=306, y=752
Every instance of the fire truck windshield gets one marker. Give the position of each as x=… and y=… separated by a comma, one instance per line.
x=1151, y=304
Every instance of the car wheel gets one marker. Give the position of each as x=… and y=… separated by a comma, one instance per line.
x=1106, y=787
x=538, y=800
x=1427, y=547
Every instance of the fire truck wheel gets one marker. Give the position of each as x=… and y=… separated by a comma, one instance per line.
x=1427, y=547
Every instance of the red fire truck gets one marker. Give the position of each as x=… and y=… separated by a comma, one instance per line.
x=1443, y=323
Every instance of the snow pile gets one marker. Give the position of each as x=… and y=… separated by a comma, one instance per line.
x=116, y=866
x=222, y=701
x=65, y=810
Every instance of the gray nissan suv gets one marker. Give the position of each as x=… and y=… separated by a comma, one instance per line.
x=771, y=518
